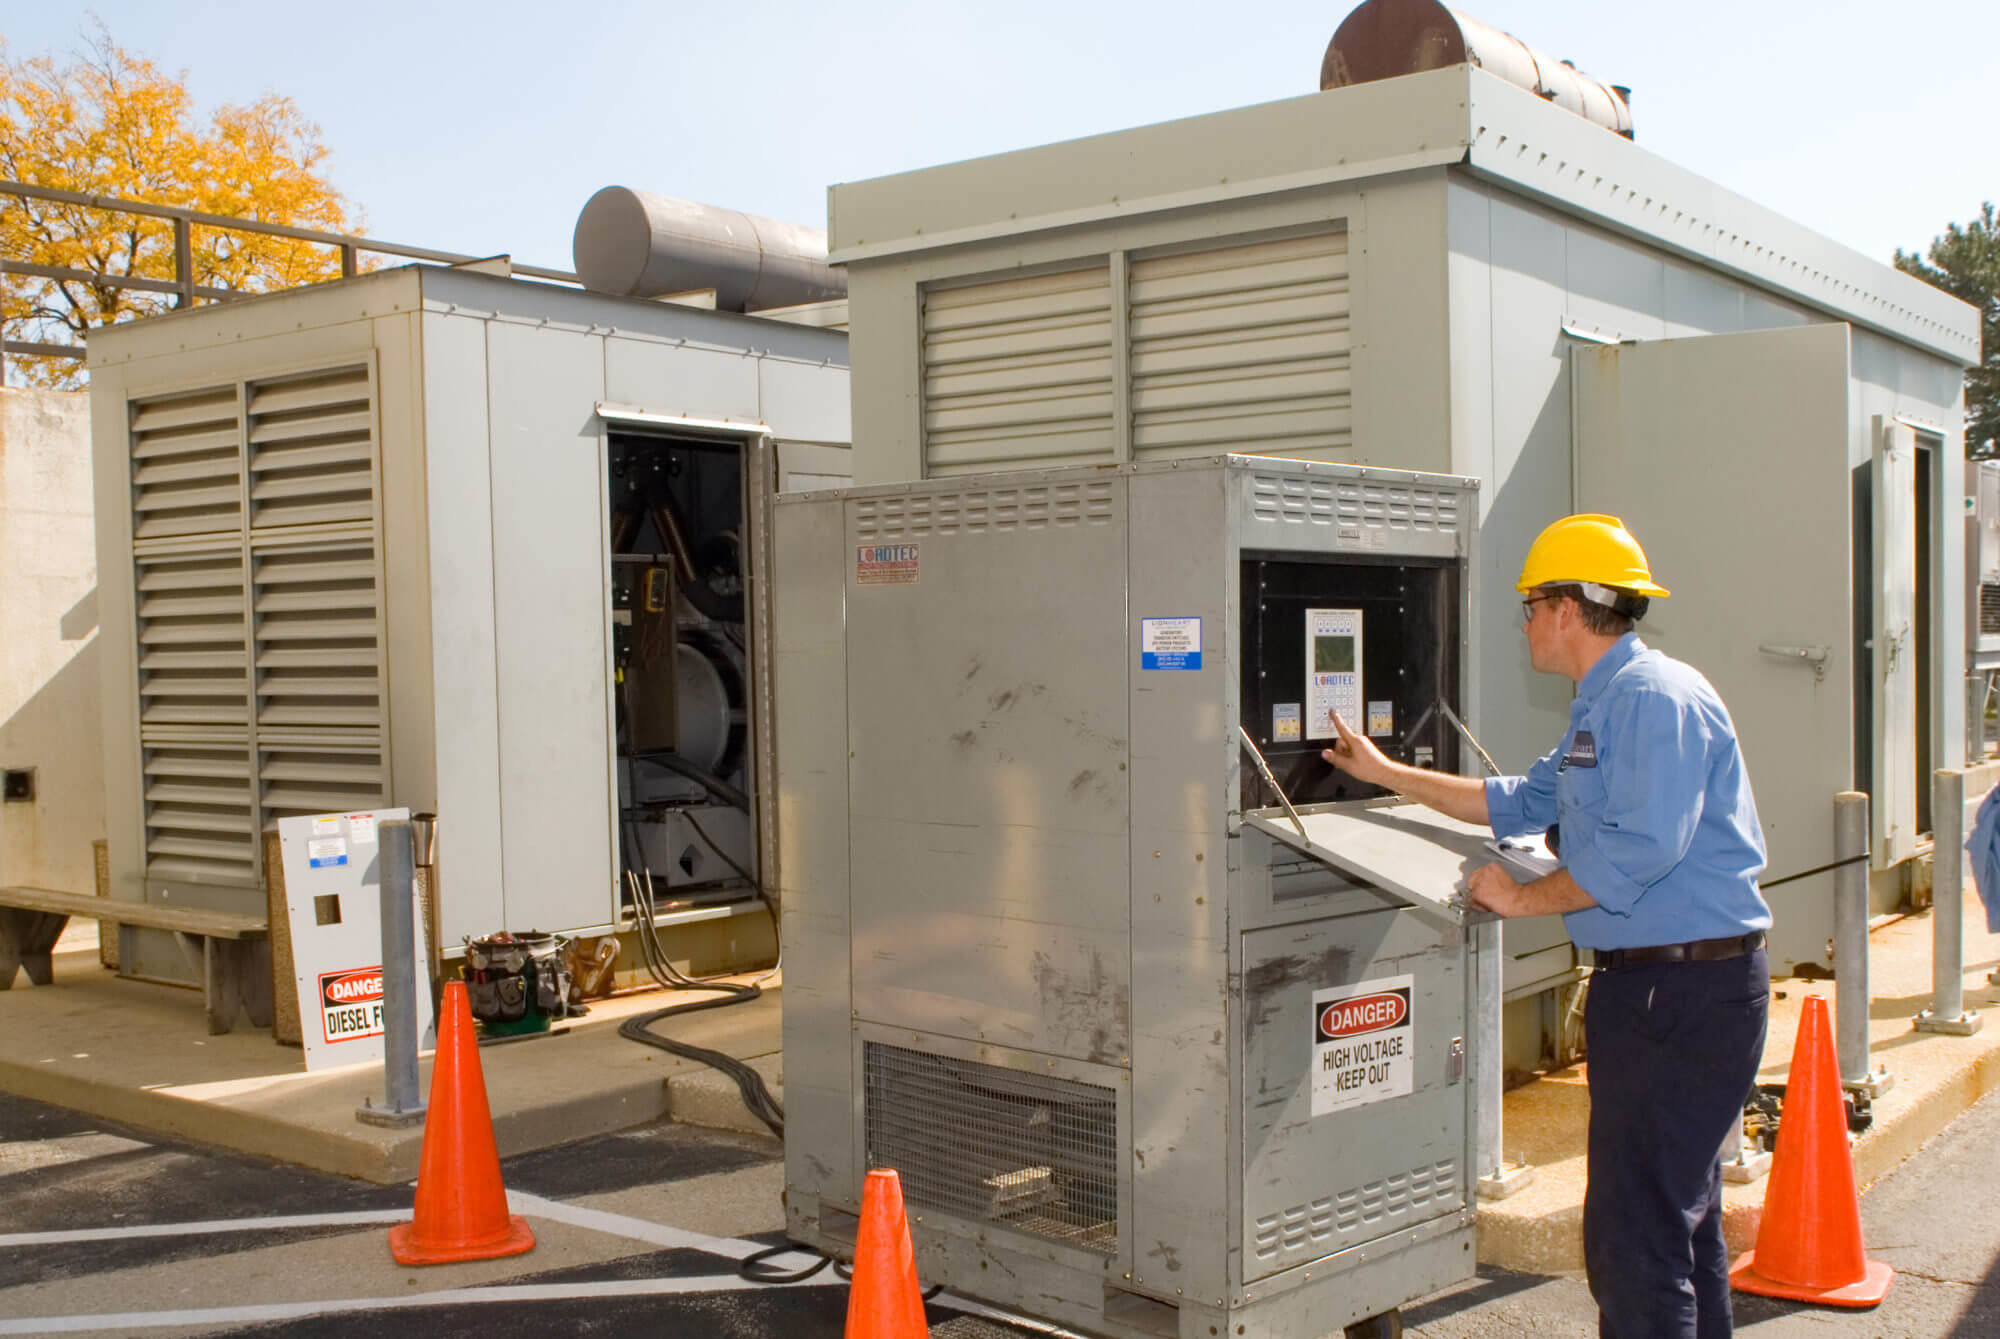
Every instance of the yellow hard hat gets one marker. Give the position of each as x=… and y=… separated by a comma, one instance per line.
x=1588, y=549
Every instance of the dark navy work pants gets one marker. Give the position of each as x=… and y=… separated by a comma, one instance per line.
x=1674, y=1049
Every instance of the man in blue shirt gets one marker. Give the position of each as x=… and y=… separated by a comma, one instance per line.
x=1648, y=805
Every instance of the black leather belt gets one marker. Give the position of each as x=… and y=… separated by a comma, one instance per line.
x=1701, y=950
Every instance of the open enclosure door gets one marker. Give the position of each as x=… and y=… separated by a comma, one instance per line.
x=1894, y=647
x=1727, y=456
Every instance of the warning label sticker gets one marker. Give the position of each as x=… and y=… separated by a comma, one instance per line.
x=361, y=829
x=324, y=852
x=886, y=565
x=350, y=1004
x=1364, y=1044
x=1285, y=722
x=1169, y=643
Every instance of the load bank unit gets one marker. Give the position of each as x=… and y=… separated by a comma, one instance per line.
x=1443, y=271
x=1145, y=1061
x=454, y=542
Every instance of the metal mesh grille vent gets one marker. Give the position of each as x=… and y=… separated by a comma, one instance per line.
x=1366, y=1211
x=1017, y=371
x=1353, y=503
x=1034, y=507
x=1242, y=348
x=1027, y=1151
x=1989, y=609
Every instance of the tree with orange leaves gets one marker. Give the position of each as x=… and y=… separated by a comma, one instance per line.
x=110, y=123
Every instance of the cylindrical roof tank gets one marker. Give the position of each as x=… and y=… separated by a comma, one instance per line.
x=633, y=244
x=1385, y=38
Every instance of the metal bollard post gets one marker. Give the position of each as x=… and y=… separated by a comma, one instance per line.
x=1497, y=1177
x=1948, y=1012
x=399, y=969
x=1741, y=1163
x=1850, y=947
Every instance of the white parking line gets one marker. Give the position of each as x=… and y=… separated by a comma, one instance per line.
x=522, y=1202
x=213, y=1226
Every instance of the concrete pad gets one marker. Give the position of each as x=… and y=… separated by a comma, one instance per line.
x=140, y=1054
x=1937, y=1077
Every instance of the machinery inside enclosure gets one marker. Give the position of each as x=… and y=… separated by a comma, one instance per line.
x=1374, y=639
x=680, y=668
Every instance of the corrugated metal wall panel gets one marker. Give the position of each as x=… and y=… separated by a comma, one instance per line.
x=1018, y=370
x=262, y=679
x=1242, y=348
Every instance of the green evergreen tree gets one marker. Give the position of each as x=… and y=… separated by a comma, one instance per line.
x=1965, y=263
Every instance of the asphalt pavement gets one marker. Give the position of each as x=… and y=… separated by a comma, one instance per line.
x=107, y=1231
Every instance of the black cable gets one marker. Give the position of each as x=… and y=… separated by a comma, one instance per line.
x=756, y=1096
x=1821, y=869
x=741, y=872
x=751, y=1266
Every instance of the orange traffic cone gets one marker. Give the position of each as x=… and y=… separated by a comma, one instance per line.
x=884, y=1301
x=1809, y=1245
x=461, y=1204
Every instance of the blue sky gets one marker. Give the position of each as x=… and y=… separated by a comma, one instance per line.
x=483, y=128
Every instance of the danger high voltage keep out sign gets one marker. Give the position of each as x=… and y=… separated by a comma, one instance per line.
x=1363, y=1044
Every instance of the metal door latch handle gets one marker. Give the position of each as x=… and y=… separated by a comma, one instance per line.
x=1456, y=1060
x=1816, y=656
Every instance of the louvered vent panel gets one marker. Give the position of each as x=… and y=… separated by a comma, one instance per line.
x=1360, y=1213
x=307, y=778
x=1030, y=507
x=1989, y=609
x=1018, y=372
x=1244, y=348
x=312, y=449
x=201, y=820
x=319, y=638
x=187, y=464
x=193, y=670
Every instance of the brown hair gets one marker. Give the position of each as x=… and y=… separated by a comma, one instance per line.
x=1602, y=619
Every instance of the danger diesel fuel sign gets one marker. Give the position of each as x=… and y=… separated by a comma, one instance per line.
x=350, y=1003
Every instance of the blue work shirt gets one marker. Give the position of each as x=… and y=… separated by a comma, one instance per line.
x=1658, y=824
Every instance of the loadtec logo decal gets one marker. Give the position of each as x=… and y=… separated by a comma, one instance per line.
x=1364, y=1044
x=887, y=564
x=1370, y=1013
x=350, y=1004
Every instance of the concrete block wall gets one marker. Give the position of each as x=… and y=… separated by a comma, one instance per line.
x=49, y=695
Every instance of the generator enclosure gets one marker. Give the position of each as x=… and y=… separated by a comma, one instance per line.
x=1145, y=1060
x=1443, y=271
x=453, y=542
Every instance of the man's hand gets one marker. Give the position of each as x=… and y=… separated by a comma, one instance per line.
x=1492, y=888
x=1357, y=756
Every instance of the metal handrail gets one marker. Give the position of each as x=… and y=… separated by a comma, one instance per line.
x=183, y=285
